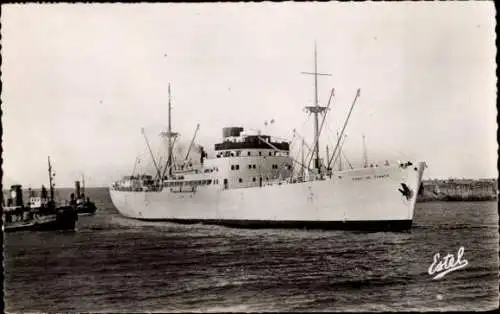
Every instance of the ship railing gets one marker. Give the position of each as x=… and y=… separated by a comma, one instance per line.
x=12, y=208
x=187, y=183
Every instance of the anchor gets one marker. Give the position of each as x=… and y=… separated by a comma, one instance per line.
x=406, y=191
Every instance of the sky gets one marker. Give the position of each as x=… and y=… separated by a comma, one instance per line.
x=81, y=80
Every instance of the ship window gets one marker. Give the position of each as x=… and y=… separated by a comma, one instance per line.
x=254, y=179
x=240, y=180
x=249, y=166
x=260, y=153
x=237, y=167
x=254, y=166
x=238, y=153
x=232, y=167
x=249, y=153
x=270, y=153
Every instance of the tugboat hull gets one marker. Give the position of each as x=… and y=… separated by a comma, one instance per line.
x=65, y=219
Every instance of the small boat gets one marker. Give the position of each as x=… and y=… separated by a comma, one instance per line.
x=40, y=213
x=84, y=206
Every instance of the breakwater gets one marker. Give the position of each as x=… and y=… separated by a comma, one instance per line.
x=459, y=190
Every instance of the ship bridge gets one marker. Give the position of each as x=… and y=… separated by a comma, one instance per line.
x=235, y=140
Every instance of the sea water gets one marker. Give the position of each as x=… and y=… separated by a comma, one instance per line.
x=114, y=264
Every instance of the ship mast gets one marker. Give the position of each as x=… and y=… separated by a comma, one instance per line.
x=169, y=134
x=316, y=109
x=365, y=154
x=83, y=183
x=169, y=160
x=50, y=181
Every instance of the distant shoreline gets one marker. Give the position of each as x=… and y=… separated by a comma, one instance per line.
x=448, y=198
x=459, y=190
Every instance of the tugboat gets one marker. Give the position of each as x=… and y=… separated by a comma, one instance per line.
x=41, y=212
x=84, y=206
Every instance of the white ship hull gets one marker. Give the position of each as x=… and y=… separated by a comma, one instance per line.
x=367, y=198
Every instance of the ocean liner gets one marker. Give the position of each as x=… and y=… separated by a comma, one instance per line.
x=254, y=181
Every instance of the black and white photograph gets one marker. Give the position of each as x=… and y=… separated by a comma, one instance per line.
x=249, y=157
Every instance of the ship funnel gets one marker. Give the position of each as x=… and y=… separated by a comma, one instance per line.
x=77, y=189
x=231, y=131
x=16, y=194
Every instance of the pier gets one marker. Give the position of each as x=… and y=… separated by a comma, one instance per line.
x=459, y=190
